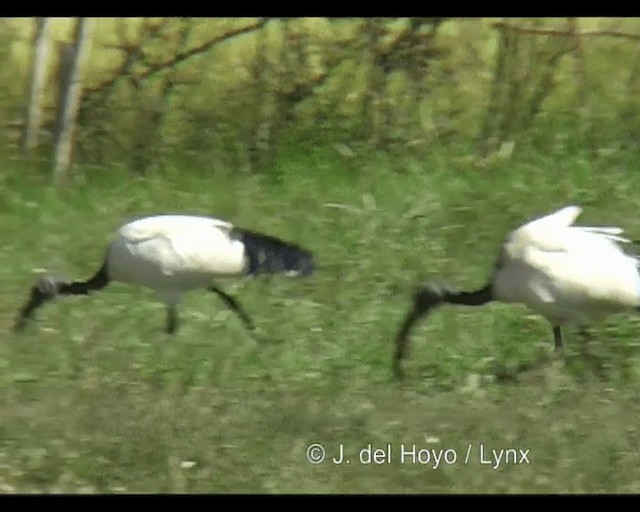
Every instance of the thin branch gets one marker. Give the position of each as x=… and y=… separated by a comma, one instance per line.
x=564, y=33
x=133, y=54
x=492, y=112
x=546, y=82
x=302, y=90
x=176, y=59
x=583, y=90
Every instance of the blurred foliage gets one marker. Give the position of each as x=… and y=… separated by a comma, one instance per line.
x=232, y=92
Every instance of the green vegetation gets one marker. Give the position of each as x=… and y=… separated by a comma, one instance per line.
x=352, y=80
x=96, y=398
x=394, y=163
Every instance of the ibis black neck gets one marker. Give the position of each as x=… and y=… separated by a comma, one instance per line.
x=475, y=298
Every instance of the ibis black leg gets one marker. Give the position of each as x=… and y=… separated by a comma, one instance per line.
x=557, y=338
x=48, y=287
x=172, y=320
x=235, y=306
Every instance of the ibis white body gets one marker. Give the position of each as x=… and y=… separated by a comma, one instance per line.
x=571, y=275
x=172, y=254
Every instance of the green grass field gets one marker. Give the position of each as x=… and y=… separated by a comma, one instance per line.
x=96, y=398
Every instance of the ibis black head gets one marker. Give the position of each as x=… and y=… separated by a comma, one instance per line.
x=45, y=289
x=268, y=255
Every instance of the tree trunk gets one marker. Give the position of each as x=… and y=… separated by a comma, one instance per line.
x=490, y=133
x=376, y=82
x=38, y=75
x=71, y=93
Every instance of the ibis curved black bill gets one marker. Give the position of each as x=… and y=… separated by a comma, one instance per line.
x=425, y=299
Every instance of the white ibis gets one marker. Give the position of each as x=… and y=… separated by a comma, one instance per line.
x=172, y=254
x=571, y=275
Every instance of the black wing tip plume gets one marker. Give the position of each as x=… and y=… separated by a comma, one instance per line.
x=425, y=297
x=45, y=289
x=270, y=255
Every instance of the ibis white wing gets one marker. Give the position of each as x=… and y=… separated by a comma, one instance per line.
x=169, y=226
x=545, y=233
x=590, y=277
x=568, y=273
x=562, y=218
x=159, y=251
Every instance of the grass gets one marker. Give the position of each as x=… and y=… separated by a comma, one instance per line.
x=95, y=398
